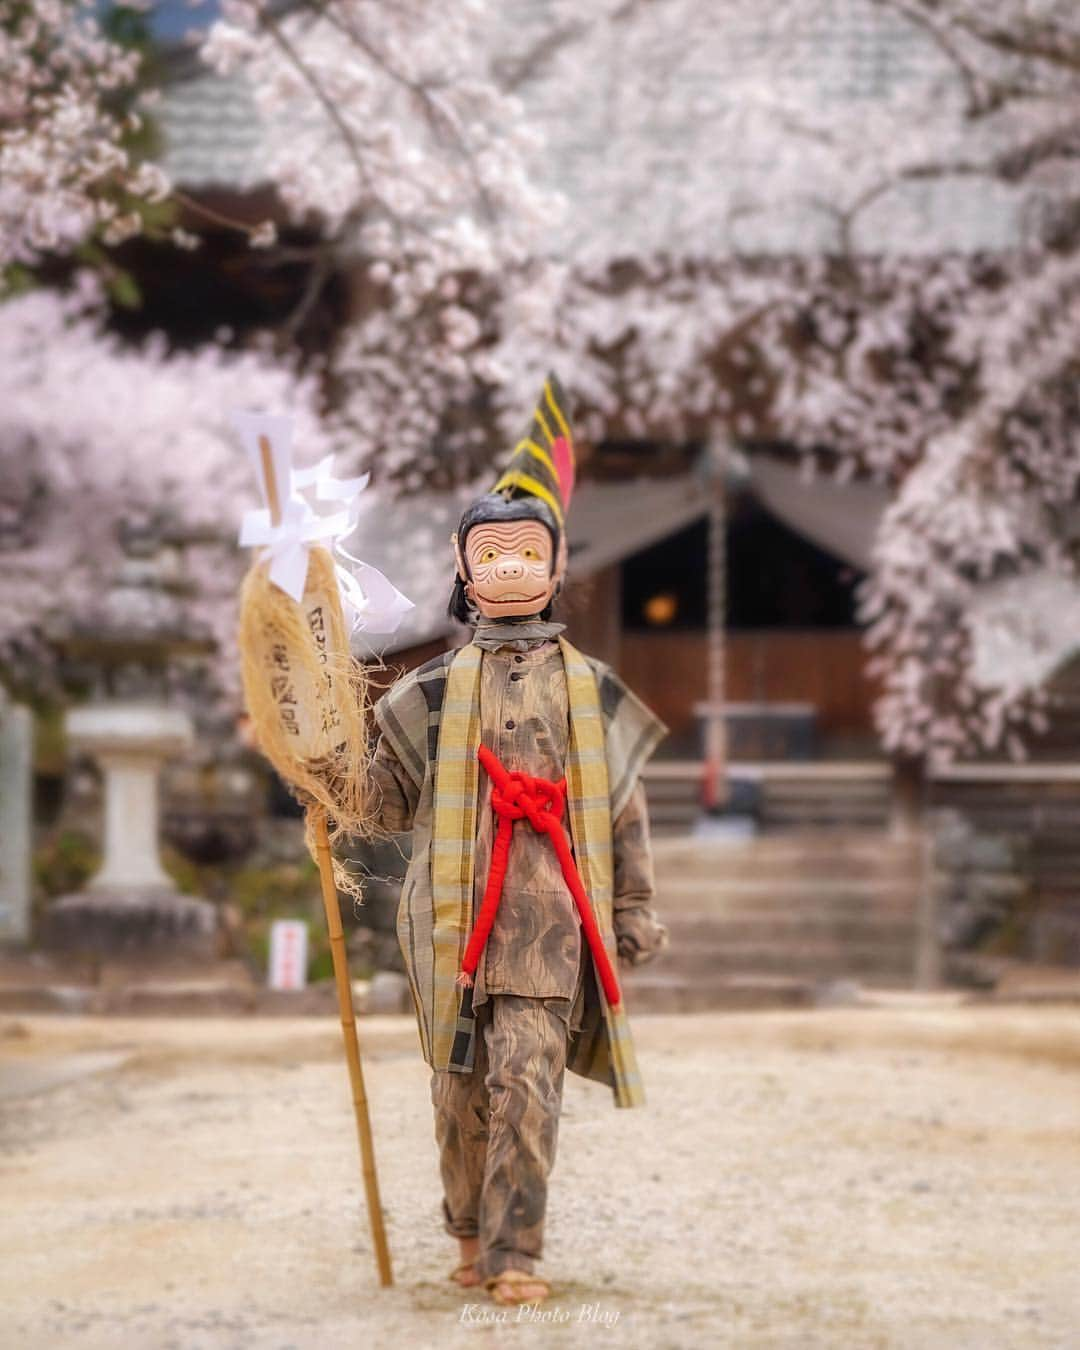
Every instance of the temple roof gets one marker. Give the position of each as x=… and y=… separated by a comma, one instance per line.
x=648, y=87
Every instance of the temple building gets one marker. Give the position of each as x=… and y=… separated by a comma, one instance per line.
x=720, y=581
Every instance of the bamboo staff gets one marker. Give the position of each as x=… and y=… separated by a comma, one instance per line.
x=352, y=1046
x=284, y=647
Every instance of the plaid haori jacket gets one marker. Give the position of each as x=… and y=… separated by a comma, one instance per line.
x=431, y=720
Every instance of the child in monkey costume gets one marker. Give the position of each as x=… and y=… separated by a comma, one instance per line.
x=515, y=763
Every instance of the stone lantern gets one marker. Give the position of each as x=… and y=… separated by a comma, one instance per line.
x=128, y=649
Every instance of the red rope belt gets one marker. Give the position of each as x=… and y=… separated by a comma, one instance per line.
x=517, y=796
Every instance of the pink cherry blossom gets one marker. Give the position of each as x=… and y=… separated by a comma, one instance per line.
x=63, y=164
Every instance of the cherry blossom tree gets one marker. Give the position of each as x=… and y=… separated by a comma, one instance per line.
x=66, y=117
x=406, y=153
x=98, y=439
x=960, y=389
x=675, y=314
x=386, y=124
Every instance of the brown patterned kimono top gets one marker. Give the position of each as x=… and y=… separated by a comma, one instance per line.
x=535, y=947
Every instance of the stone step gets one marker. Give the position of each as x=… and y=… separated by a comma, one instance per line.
x=688, y=929
x=831, y=806
x=784, y=819
x=666, y=992
x=854, y=845
x=648, y=992
x=666, y=815
x=841, y=791
x=795, y=888
x=739, y=861
x=814, y=883
x=672, y=829
x=887, y=902
x=75, y=1000
x=205, y=998
x=672, y=789
x=726, y=897
x=817, y=958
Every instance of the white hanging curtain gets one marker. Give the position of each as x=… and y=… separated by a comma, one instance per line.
x=841, y=518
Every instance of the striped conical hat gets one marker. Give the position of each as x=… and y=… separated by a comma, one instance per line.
x=542, y=464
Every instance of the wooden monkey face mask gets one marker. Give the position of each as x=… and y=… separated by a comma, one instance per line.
x=511, y=568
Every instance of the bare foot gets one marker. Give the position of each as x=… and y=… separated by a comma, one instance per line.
x=466, y=1274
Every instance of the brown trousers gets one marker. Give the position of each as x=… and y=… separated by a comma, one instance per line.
x=497, y=1129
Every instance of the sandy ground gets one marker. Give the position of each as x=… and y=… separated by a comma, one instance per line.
x=837, y=1178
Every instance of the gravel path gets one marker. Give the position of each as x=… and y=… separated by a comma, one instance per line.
x=835, y=1178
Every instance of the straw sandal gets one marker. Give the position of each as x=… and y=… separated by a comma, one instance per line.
x=512, y=1278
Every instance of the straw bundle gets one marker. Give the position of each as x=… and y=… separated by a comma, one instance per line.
x=307, y=697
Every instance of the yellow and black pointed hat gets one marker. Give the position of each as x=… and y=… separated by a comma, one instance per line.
x=543, y=464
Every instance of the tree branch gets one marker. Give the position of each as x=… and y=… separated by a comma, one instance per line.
x=442, y=125
x=271, y=26
x=1044, y=41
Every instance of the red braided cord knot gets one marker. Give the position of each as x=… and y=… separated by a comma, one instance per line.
x=538, y=799
x=518, y=796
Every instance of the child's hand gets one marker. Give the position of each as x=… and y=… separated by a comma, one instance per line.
x=639, y=936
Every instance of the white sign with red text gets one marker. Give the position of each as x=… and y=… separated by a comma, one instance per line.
x=288, y=954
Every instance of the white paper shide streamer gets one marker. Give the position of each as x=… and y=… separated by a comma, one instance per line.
x=371, y=602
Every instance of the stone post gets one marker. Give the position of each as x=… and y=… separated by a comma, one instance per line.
x=907, y=815
x=131, y=908
x=16, y=788
x=911, y=821
x=715, y=740
x=131, y=821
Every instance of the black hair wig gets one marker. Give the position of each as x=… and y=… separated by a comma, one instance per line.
x=495, y=508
